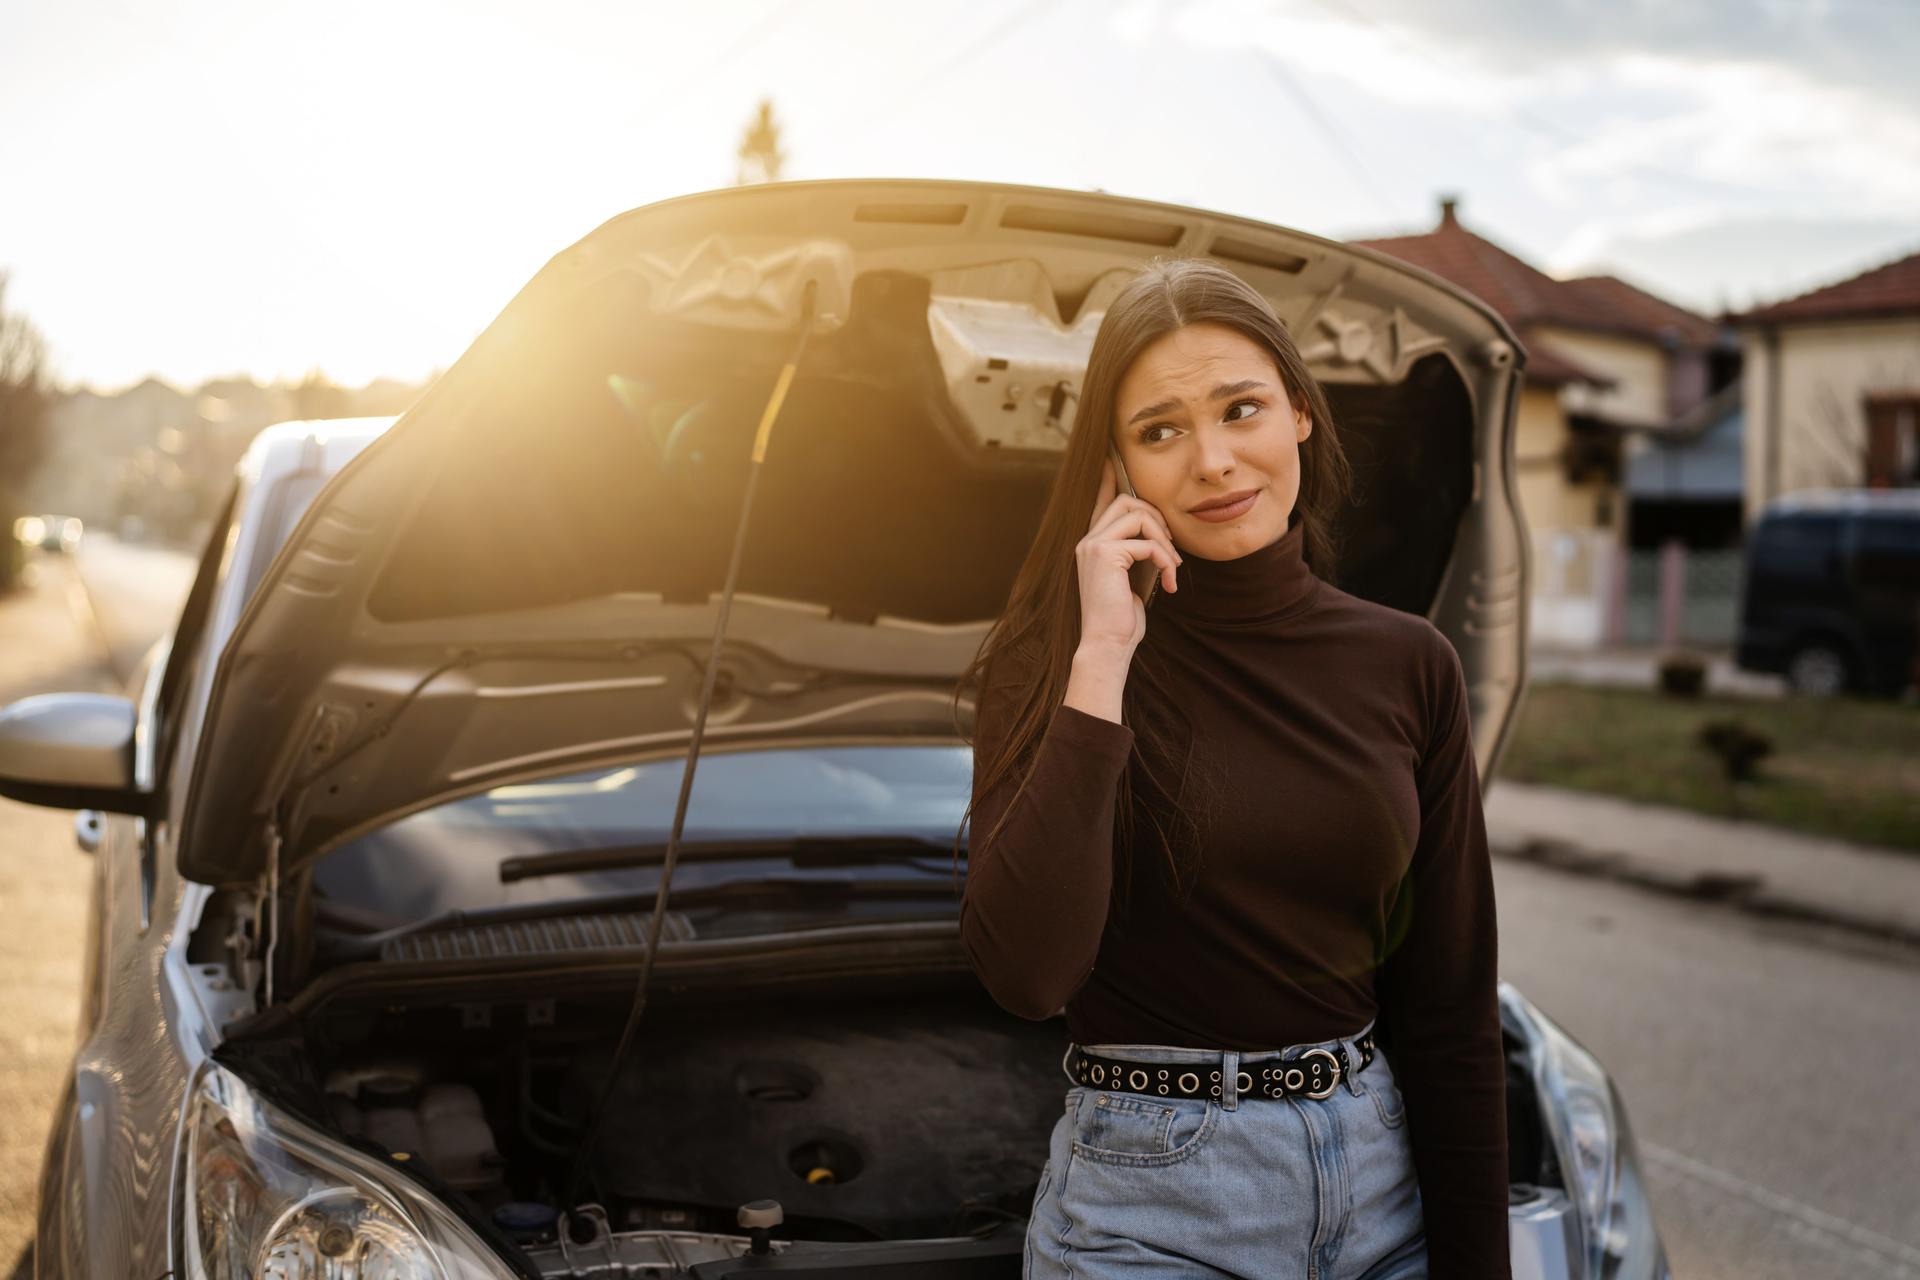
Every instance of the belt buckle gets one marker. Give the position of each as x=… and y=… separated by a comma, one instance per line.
x=1334, y=1084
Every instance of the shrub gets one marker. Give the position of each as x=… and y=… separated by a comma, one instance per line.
x=1740, y=749
x=1683, y=674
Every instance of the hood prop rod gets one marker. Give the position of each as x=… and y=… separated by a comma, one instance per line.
x=266, y=912
x=582, y=1158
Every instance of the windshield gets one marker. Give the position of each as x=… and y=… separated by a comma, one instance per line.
x=448, y=858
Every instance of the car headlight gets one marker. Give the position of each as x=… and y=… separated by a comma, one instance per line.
x=265, y=1197
x=1598, y=1158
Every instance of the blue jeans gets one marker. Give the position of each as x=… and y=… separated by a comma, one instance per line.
x=1138, y=1186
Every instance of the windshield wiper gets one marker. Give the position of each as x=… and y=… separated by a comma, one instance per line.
x=802, y=851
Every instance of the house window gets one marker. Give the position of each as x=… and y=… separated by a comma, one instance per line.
x=1893, y=440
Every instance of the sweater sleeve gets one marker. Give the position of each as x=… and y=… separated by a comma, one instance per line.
x=1438, y=993
x=1036, y=897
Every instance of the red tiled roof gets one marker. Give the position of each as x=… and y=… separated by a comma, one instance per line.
x=1650, y=314
x=1525, y=295
x=1891, y=289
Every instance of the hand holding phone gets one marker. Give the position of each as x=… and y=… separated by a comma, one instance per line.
x=1127, y=548
x=1144, y=576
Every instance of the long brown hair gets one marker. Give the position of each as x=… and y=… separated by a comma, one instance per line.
x=1039, y=630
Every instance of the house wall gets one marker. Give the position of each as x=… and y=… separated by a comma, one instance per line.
x=1571, y=548
x=1825, y=372
x=1639, y=368
x=1549, y=501
x=1689, y=377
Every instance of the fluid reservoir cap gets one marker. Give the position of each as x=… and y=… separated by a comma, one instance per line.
x=761, y=1213
x=525, y=1218
x=388, y=1091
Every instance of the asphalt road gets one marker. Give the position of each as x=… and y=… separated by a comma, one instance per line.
x=1765, y=1065
x=133, y=593
x=1766, y=1068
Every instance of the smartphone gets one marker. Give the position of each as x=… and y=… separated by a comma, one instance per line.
x=1144, y=577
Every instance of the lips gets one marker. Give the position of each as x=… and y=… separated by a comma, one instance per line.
x=1227, y=511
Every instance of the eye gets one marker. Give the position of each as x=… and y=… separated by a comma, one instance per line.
x=1257, y=407
x=1141, y=435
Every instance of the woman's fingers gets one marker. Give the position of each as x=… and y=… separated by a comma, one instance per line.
x=1132, y=516
x=1108, y=487
x=1151, y=549
x=1121, y=510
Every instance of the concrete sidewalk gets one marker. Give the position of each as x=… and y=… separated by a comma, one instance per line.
x=1759, y=868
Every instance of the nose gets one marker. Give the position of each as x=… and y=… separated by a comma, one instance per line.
x=1213, y=457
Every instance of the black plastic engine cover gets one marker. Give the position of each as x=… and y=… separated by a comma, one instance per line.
x=917, y=1107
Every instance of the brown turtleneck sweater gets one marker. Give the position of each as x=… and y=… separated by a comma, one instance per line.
x=1344, y=875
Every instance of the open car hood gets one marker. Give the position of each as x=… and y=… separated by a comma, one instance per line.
x=520, y=577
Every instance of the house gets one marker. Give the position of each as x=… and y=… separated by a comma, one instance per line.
x=1832, y=386
x=1607, y=364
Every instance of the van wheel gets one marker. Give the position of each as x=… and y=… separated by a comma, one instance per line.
x=1818, y=670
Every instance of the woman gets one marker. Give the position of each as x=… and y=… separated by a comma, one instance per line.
x=1231, y=837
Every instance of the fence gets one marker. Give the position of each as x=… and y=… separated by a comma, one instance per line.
x=1677, y=596
x=1589, y=592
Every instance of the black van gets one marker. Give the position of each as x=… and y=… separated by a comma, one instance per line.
x=1832, y=591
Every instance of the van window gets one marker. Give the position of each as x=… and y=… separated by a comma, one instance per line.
x=1887, y=551
x=1796, y=546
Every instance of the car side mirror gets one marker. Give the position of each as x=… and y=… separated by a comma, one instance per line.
x=70, y=751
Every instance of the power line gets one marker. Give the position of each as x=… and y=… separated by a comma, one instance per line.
x=1342, y=146
x=1022, y=12
x=745, y=42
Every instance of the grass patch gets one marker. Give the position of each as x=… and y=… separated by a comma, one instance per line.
x=1845, y=767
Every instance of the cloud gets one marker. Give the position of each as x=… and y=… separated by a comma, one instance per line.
x=1612, y=112
x=1737, y=262
x=1751, y=132
x=1868, y=45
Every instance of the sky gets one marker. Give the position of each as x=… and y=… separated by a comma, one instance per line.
x=260, y=189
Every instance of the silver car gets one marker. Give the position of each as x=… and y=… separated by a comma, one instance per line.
x=379, y=824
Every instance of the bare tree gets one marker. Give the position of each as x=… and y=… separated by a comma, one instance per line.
x=26, y=393
x=760, y=157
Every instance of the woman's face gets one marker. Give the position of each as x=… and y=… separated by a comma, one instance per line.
x=1200, y=415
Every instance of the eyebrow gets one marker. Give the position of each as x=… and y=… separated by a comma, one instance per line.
x=1220, y=392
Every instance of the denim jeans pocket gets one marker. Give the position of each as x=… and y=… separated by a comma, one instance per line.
x=1133, y=1129
x=1387, y=1098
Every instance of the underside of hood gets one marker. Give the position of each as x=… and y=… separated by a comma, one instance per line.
x=520, y=577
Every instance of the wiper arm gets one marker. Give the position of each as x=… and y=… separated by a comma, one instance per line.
x=802, y=851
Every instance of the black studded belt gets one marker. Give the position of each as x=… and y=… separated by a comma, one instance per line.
x=1314, y=1074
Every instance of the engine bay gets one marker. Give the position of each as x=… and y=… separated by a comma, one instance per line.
x=865, y=1131
x=870, y=1123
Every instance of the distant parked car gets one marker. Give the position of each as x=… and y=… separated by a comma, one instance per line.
x=48, y=533
x=62, y=534
x=1832, y=594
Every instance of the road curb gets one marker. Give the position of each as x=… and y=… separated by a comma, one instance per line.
x=1748, y=893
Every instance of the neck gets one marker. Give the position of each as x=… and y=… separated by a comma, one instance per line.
x=1264, y=585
